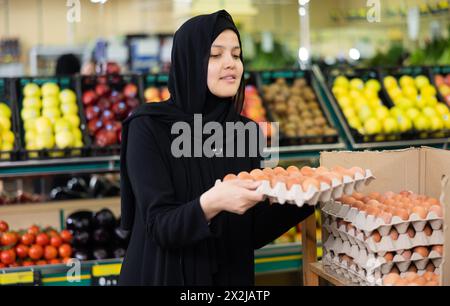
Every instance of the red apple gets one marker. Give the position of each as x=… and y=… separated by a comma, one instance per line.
x=120, y=109
x=104, y=104
x=94, y=125
x=89, y=97
x=117, y=126
x=130, y=90
x=102, y=90
x=102, y=79
x=107, y=115
x=439, y=80
x=116, y=96
x=105, y=138
x=119, y=136
x=132, y=103
x=92, y=112
x=165, y=94
x=112, y=68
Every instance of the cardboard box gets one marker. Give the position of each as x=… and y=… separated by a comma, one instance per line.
x=421, y=170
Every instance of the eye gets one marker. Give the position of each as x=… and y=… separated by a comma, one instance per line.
x=214, y=55
x=237, y=56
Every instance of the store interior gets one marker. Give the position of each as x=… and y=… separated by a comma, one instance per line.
x=337, y=76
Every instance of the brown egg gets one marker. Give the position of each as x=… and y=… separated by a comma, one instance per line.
x=419, y=281
x=229, y=177
x=428, y=230
x=390, y=279
x=387, y=217
x=421, y=250
x=373, y=203
x=437, y=210
x=280, y=171
x=401, y=282
x=405, y=193
x=372, y=211
x=434, y=201
x=323, y=179
x=374, y=195
x=244, y=175
x=366, y=199
x=334, y=175
x=358, y=196
x=322, y=170
x=432, y=283
x=420, y=211
x=407, y=254
x=363, y=207
x=397, y=197
x=412, y=268
x=438, y=248
x=389, y=256
x=402, y=213
x=291, y=181
x=351, y=200
x=268, y=171
x=410, y=276
x=376, y=236
x=308, y=171
x=411, y=232
x=354, y=170
x=430, y=267
x=389, y=202
x=293, y=169
x=393, y=233
x=428, y=276
x=382, y=199
x=310, y=182
x=359, y=205
x=389, y=194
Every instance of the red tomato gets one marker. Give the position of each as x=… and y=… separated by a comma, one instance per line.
x=41, y=262
x=42, y=239
x=4, y=227
x=14, y=265
x=34, y=229
x=22, y=251
x=27, y=239
x=52, y=233
x=66, y=236
x=36, y=252
x=56, y=241
x=28, y=263
x=2, y=265
x=66, y=260
x=54, y=261
x=65, y=250
x=50, y=252
x=9, y=239
x=8, y=257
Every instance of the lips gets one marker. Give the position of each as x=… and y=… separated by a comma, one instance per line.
x=228, y=78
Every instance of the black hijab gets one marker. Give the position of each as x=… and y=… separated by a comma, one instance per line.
x=189, y=95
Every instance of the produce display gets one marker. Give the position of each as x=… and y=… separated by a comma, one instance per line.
x=373, y=236
x=155, y=94
x=443, y=84
x=7, y=137
x=97, y=186
x=306, y=185
x=20, y=197
x=96, y=235
x=296, y=108
x=254, y=109
x=50, y=118
x=33, y=246
x=107, y=100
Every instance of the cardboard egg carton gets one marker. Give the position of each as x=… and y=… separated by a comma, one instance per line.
x=296, y=195
x=368, y=223
x=376, y=263
x=386, y=244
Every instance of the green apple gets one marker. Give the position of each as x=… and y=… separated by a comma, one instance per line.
x=30, y=136
x=50, y=89
x=421, y=102
x=5, y=111
x=29, y=113
x=8, y=136
x=355, y=95
x=50, y=101
x=61, y=125
x=441, y=109
x=349, y=112
x=43, y=125
x=410, y=92
x=77, y=134
x=32, y=90
x=421, y=123
x=356, y=83
x=364, y=113
x=355, y=123
x=412, y=113
x=406, y=80
x=51, y=113
x=345, y=102
x=5, y=124
x=404, y=123
x=45, y=141
x=67, y=96
x=390, y=82
x=406, y=103
x=382, y=112
x=390, y=125
x=430, y=101
x=374, y=103
x=373, y=85
x=64, y=139
x=436, y=123
x=421, y=81
x=396, y=111
x=395, y=93
x=73, y=119
x=369, y=93
x=372, y=126
x=69, y=109
x=428, y=91
x=341, y=81
x=7, y=146
x=30, y=124
x=446, y=120
x=429, y=111
x=30, y=102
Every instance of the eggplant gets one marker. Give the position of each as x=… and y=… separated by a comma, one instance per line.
x=80, y=238
x=121, y=237
x=119, y=252
x=81, y=254
x=63, y=193
x=77, y=184
x=80, y=221
x=101, y=236
x=105, y=219
x=100, y=253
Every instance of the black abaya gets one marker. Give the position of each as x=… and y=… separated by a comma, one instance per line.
x=171, y=241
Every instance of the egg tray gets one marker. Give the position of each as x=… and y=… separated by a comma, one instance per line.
x=357, y=274
x=373, y=262
x=368, y=223
x=386, y=244
x=295, y=195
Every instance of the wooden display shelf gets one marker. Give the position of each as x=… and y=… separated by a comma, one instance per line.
x=318, y=269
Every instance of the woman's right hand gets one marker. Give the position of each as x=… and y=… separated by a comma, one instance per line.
x=235, y=196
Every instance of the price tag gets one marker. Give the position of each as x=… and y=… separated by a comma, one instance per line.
x=105, y=275
x=27, y=278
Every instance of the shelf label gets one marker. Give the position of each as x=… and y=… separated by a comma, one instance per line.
x=19, y=278
x=106, y=275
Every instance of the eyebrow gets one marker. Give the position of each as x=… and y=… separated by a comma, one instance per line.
x=223, y=47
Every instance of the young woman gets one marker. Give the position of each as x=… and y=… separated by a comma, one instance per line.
x=187, y=230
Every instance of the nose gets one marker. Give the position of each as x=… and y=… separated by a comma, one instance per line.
x=229, y=62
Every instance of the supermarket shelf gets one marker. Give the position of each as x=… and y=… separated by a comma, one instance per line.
x=319, y=269
x=60, y=166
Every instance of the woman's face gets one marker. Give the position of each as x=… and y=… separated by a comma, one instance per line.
x=225, y=67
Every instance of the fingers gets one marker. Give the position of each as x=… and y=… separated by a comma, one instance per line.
x=254, y=196
x=248, y=184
